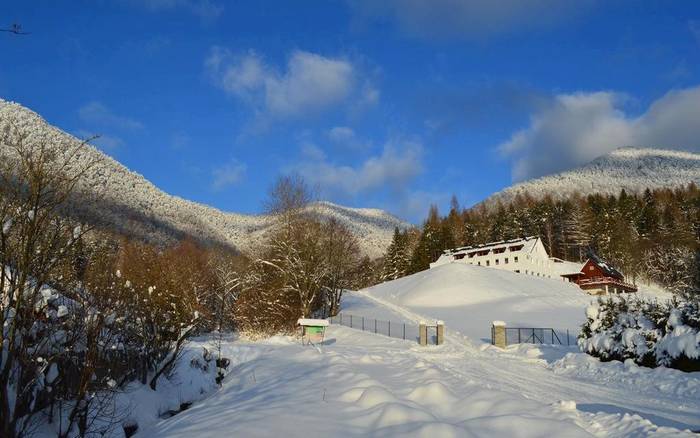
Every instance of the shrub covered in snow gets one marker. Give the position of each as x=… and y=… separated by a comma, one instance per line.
x=648, y=332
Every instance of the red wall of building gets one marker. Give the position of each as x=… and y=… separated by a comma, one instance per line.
x=590, y=273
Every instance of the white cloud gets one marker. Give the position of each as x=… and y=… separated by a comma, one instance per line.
x=228, y=174
x=346, y=137
x=398, y=164
x=694, y=27
x=312, y=152
x=97, y=113
x=310, y=83
x=473, y=19
x=579, y=127
x=204, y=9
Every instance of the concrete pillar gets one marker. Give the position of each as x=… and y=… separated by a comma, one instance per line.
x=440, y=332
x=422, y=333
x=499, y=334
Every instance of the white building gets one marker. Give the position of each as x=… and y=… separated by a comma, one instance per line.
x=527, y=256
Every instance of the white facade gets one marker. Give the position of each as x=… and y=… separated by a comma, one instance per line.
x=527, y=256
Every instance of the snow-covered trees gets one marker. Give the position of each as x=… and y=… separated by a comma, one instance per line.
x=37, y=236
x=302, y=269
x=653, y=237
x=398, y=256
x=82, y=312
x=650, y=333
x=435, y=237
x=135, y=208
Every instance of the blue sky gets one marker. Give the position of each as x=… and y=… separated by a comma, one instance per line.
x=394, y=104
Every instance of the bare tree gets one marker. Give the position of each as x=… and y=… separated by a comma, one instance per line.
x=37, y=234
x=342, y=256
x=16, y=29
x=289, y=194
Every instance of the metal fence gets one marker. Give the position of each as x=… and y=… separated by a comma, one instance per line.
x=532, y=335
x=398, y=330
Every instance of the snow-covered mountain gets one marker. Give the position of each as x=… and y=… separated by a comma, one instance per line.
x=632, y=169
x=131, y=204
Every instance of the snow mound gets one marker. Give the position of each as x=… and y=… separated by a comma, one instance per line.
x=373, y=396
x=393, y=414
x=432, y=393
x=469, y=298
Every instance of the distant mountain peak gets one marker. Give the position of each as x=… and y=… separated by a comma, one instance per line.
x=134, y=206
x=631, y=168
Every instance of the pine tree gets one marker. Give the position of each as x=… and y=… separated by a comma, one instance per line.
x=430, y=243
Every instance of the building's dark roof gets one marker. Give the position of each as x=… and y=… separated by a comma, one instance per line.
x=604, y=266
x=492, y=245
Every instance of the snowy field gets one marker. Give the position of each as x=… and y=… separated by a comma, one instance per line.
x=358, y=384
x=361, y=384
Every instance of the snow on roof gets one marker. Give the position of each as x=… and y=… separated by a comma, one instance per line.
x=527, y=242
x=607, y=269
x=312, y=322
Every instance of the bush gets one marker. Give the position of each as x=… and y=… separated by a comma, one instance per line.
x=648, y=332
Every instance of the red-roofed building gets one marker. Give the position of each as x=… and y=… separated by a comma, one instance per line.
x=598, y=277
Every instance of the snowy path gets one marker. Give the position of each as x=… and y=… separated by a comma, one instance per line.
x=653, y=400
x=361, y=385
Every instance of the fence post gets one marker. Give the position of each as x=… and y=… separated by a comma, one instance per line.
x=519, y=342
x=567, y=337
x=499, y=334
x=440, y=333
x=341, y=318
x=422, y=334
x=389, y=328
x=404, y=331
x=363, y=323
x=350, y=321
x=375, y=326
x=552, y=336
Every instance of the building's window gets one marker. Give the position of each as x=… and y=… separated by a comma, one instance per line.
x=488, y=263
x=590, y=268
x=517, y=271
x=505, y=260
x=515, y=259
x=478, y=263
x=496, y=261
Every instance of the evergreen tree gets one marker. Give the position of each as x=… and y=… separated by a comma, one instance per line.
x=430, y=242
x=397, y=258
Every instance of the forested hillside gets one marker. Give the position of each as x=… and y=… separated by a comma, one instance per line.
x=650, y=236
x=131, y=205
x=631, y=169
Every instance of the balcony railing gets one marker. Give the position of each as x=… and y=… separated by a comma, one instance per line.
x=605, y=280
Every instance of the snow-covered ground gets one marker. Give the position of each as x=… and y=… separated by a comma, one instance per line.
x=469, y=298
x=360, y=384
